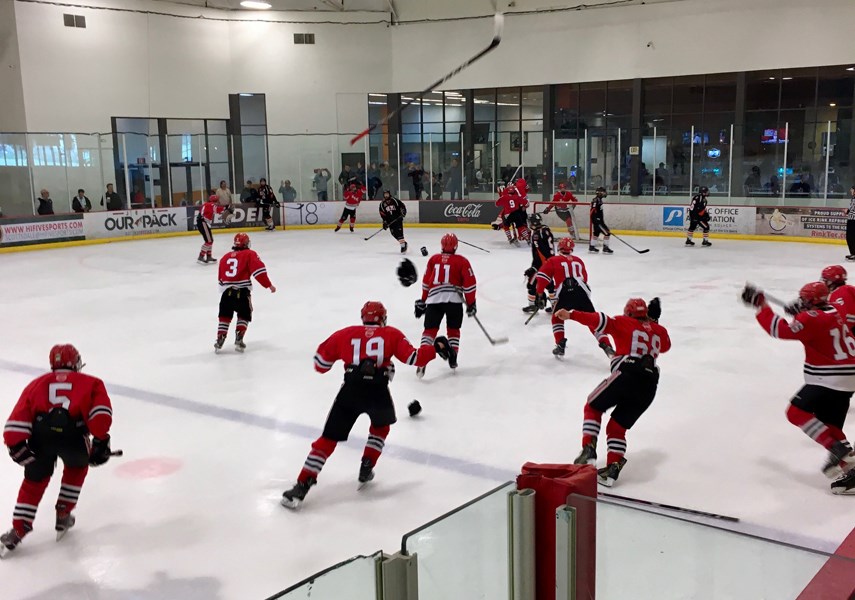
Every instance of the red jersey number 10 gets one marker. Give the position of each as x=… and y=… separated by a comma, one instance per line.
x=373, y=349
x=577, y=271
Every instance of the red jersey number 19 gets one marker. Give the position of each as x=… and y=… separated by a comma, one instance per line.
x=373, y=349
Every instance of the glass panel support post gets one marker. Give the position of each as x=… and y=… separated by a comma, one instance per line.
x=462, y=166
x=521, y=545
x=101, y=165
x=400, y=166
x=730, y=169
x=205, y=192
x=430, y=162
x=585, y=175
x=618, y=162
x=565, y=553
x=333, y=170
x=127, y=174
x=494, y=143
x=786, y=153
x=692, y=164
x=31, y=161
x=399, y=577
x=552, y=166
x=654, y=165
x=827, y=164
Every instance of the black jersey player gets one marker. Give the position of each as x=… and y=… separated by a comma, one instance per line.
x=542, y=248
x=699, y=215
x=598, y=223
x=393, y=211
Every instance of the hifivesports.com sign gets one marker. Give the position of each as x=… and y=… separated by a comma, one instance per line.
x=27, y=231
x=129, y=223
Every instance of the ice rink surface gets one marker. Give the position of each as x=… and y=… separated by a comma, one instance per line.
x=192, y=510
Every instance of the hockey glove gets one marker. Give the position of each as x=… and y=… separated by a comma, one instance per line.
x=654, y=309
x=421, y=307
x=495, y=226
x=471, y=310
x=540, y=301
x=751, y=296
x=793, y=308
x=100, y=452
x=442, y=347
x=407, y=274
x=22, y=454
x=385, y=225
x=529, y=273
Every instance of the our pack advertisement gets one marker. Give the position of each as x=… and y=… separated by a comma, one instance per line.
x=40, y=230
x=801, y=221
x=130, y=223
x=245, y=215
x=443, y=211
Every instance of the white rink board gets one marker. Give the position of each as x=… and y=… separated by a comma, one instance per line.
x=328, y=213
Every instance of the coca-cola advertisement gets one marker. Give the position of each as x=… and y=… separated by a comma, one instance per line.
x=441, y=211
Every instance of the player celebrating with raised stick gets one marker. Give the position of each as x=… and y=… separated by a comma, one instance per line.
x=392, y=212
x=699, y=215
x=542, y=249
x=447, y=282
x=563, y=202
x=367, y=351
x=204, y=220
x=570, y=278
x=353, y=195
x=598, y=223
x=237, y=268
x=53, y=419
x=631, y=387
x=819, y=408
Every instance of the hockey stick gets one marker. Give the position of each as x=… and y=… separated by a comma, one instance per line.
x=680, y=509
x=498, y=26
x=117, y=453
x=532, y=315
x=645, y=251
x=493, y=341
x=474, y=246
x=382, y=228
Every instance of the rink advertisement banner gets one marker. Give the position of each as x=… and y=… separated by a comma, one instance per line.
x=328, y=213
x=675, y=218
x=245, y=215
x=444, y=211
x=131, y=223
x=40, y=230
x=827, y=223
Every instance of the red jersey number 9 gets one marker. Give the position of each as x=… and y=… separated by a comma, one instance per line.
x=645, y=344
x=512, y=204
x=373, y=349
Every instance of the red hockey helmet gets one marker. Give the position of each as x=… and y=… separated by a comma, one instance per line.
x=65, y=356
x=562, y=186
x=373, y=313
x=213, y=198
x=635, y=308
x=241, y=241
x=814, y=294
x=521, y=185
x=834, y=275
x=566, y=245
x=448, y=243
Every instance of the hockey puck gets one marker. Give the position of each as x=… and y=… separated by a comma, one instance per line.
x=414, y=407
x=424, y=251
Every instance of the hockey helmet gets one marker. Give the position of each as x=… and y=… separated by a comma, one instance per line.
x=601, y=191
x=521, y=185
x=65, y=356
x=448, y=243
x=562, y=186
x=373, y=313
x=635, y=308
x=387, y=194
x=213, y=198
x=834, y=275
x=814, y=294
x=241, y=241
x=566, y=245
x=704, y=190
x=407, y=273
x=536, y=221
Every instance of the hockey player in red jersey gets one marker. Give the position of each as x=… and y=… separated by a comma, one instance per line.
x=513, y=203
x=367, y=351
x=237, y=268
x=631, y=387
x=54, y=419
x=204, y=220
x=842, y=296
x=447, y=282
x=563, y=202
x=570, y=278
x=353, y=195
x=819, y=408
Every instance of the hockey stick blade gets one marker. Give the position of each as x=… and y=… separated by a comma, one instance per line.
x=679, y=509
x=498, y=27
x=493, y=341
x=645, y=251
x=117, y=453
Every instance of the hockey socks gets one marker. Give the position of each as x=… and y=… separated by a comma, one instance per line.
x=557, y=329
x=29, y=497
x=374, y=445
x=322, y=448
x=616, y=441
x=69, y=490
x=591, y=426
x=813, y=427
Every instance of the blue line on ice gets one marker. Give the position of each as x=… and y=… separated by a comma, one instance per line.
x=412, y=455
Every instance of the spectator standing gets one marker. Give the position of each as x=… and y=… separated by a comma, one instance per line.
x=360, y=174
x=455, y=180
x=224, y=194
x=113, y=201
x=375, y=182
x=752, y=182
x=389, y=175
x=288, y=193
x=45, y=203
x=345, y=176
x=81, y=203
x=850, y=225
x=320, y=183
x=416, y=174
x=249, y=193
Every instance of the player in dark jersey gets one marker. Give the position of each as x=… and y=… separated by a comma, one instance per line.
x=699, y=215
x=53, y=420
x=598, y=223
x=367, y=351
x=542, y=248
x=631, y=387
x=266, y=201
x=237, y=269
x=392, y=212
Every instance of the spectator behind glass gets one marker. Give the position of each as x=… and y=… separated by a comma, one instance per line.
x=248, y=193
x=416, y=174
x=288, y=193
x=81, y=203
x=45, y=203
x=753, y=183
x=114, y=202
x=345, y=176
x=375, y=182
x=224, y=194
x=320, y=183
x=455, y=180
x=138, y=199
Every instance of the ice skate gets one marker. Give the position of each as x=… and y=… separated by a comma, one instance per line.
x=239, y=345
x=850, y=257
x=593, y=249
x=404, y=247
x=420, y=372
x=689, y=242
x=201, y=260
x=588, y=455
x=337, y=227
x=840, y=459
x=64, y=522
x=351, y=229
x=607, y=250
x=706, y=243
x=608, y=475
x=845, y=486
x=366, y=472
x=452, y=357
x=558, y=351
x=218, y=345
x=605, y=347
x=210, y=260
x=8, y=542
x=294, y=497
x=529, y=309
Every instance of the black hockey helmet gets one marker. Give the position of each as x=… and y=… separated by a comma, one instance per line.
x=387, y=193
x=601, y=191
x=704, y=190
x=535, y=221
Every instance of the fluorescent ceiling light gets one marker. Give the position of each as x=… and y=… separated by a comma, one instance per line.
x=242, y=94
x=786, y=78
x=378, y=95
x=851, y=69
x=255, y=4
x=833, y=104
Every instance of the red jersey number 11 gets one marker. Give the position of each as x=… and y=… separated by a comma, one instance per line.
x=436, y=274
